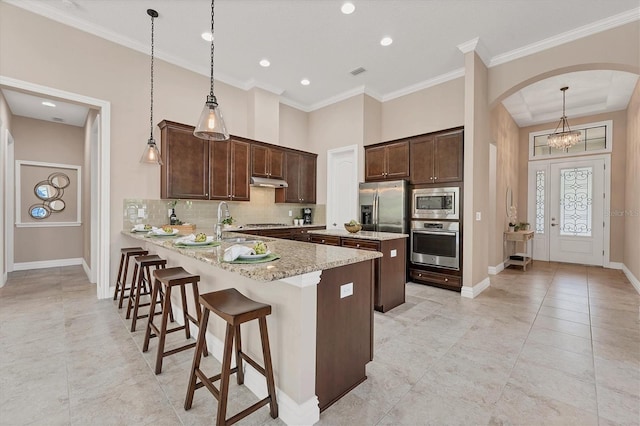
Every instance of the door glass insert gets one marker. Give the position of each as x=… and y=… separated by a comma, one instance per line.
x=576, y=197
x=540, y=202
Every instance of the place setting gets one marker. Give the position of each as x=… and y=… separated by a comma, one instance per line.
x=240, y=254
x=196, y=240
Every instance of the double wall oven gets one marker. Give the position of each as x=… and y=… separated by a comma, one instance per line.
x=435, y=228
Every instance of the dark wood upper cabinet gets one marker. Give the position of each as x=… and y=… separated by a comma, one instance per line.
x=388, y=161
x=437, y=158
x=185, y=170
x=230, y=171
x=300, y=174
x=267, y=162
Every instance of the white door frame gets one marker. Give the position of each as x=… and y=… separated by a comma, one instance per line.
x=531, y=200
x=348, y=186
x=102, y=174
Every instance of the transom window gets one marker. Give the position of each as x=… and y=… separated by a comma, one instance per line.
x=594, y=138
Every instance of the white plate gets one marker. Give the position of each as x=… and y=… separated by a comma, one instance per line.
x=161, y=233
x=197, y=243
x=140, y=230
x=253, y=256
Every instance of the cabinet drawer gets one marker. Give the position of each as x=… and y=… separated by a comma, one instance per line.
x=435, y=278
x=325, y=239
x=361, y=244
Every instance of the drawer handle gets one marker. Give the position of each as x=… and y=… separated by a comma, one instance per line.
x=357, y=245
x=323, y=241
x=419, y=275
x=446, y=280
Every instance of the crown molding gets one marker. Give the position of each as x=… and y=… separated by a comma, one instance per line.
x=478, y=46
x=442, y=78
x=575, y=34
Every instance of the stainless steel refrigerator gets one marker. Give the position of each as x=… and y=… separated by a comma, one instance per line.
x=384, y=206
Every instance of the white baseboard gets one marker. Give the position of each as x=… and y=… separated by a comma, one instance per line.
x=615, y=265
x=23, y=266
x=87, y=269
x=472, y=292
x=495, y=270
x=634, y=280
x=289, y=411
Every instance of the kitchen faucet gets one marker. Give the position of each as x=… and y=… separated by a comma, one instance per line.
x=220, y=218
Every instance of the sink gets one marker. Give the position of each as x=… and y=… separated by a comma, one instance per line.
x=240, y=239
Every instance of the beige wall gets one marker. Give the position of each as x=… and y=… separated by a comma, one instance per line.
x=43, y=141
x=631, y=257
x=335, y=126
x=263, y=110
x=86, y=187
x=618, y=154
x=5, y=120
x=505, y=133
x=428, y=110
x=294, y=127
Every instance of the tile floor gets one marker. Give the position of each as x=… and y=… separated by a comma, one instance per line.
x=559, y=344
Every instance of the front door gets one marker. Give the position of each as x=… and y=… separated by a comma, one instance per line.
x=566, y=204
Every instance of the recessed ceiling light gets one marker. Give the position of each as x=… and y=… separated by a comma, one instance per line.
x=386, y=41
x=305, y=82
x=49, y=104
x=206, y=36
x=348, y=8
x=265, y=63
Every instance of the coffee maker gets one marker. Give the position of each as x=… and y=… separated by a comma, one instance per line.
x=306, y=216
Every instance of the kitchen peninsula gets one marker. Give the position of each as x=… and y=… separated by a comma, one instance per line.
x=321, y=326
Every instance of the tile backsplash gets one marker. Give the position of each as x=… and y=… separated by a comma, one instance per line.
x=261, y=209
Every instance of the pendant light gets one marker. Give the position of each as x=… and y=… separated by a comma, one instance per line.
x=211, y=124
x=151, y=153
x=565, y=138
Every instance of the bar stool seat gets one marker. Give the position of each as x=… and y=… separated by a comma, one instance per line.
x=126, y=254
x=164, y=281
x=235, y=308
x=142, y=286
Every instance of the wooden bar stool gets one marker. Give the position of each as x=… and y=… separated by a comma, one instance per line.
x=235, y=309
x=125, y=255
x=165, y=280
x=142, y=285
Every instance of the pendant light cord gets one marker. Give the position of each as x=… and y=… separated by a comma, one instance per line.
x=151, y=109
x=211, y=73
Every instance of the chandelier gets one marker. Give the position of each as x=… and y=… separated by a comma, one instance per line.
x=566, y=138
x=211, y=124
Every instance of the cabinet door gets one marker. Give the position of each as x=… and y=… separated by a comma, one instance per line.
x=259, y=161
x=397, y=160
x=422, y=160
x=239, y=170
x=292, y=167
x=185, y=172
x=220, y=183
x=374, y=163
x=448, y=157
x=307, y=179
x=276, y=163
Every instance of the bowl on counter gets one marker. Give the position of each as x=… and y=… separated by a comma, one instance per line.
x=353, y=228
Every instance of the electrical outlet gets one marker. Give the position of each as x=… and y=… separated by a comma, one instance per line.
x=394, y=253
x=141, y=213
x=346, y=290
x=290, y=213
x=478, y=216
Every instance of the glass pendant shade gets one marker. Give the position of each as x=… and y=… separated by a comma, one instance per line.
x=151, y=154
x=211, y=124
x=566, y=138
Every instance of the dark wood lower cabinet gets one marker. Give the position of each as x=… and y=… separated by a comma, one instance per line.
x=344, y=336
x=438, y=279
x=390, y=270
x=298, y=234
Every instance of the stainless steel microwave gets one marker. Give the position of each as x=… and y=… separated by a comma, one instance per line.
x=436, y=203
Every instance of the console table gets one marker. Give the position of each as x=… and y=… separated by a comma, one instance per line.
x=511, y=240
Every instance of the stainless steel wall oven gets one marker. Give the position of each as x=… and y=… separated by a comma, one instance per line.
x=436, y=244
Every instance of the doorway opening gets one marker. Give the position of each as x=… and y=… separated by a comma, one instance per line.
x=100, y=178
x=342, y=186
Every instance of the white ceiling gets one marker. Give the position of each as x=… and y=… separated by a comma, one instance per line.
x=27, y=105
x=313, y=39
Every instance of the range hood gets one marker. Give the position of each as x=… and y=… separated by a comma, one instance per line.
x=268, y=182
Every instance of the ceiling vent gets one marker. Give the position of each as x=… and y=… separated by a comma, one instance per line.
x=357, y=71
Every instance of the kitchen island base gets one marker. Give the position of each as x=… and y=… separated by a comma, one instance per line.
x=301, y=315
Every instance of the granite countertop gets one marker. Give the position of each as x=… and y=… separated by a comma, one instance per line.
x=241, y=228
x=364, y=235
x=296, y=258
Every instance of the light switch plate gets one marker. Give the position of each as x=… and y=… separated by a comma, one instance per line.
x=394, y=253
x=478, y=216
x=346, y=290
